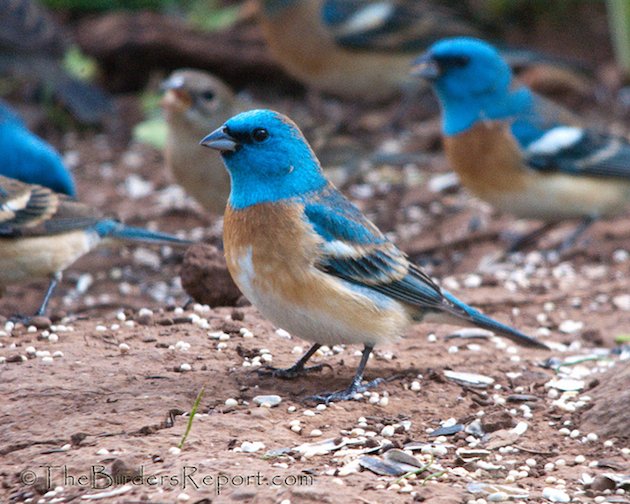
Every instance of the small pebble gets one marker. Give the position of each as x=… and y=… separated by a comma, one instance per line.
x=251, y=447
x=580, y=459
x=555, y=495
x=315, y=433
x=124, y=348
x=570, y=326
x=174, y=450
x=388, y=431
x=283, y=334
x=270, y=400
x=231, y=402
x=183, y=497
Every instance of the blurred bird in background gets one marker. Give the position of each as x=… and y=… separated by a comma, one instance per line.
x=310, y=260
x=355, y=49
x=193, y=103
x=32, y=46
x=362, y=49
x=43, y=232
x=28, y=158
x=518, y=151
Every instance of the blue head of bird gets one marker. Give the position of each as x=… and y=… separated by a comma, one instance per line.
x=267, y=158
x=472, y=81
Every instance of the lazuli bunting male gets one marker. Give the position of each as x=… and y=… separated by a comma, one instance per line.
x=43, y=232
x=518, y=151
x=32, y=46
x=28, y=158
x=309, y=259
x=193, y=103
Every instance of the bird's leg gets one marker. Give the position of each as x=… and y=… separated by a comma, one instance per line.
x=298, y=369
x=25, y=319
x=356, y=386
x=54, y=281
x=570, y=240
x=523, y=241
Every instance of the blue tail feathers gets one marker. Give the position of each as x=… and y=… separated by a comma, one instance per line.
x=113, y=229
x=485, y=322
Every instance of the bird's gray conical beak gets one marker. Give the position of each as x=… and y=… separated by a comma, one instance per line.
x=220, y=140
x=426, y=67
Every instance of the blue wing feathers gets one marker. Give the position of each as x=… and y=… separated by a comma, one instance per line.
x=335, y=218
x=366, y=259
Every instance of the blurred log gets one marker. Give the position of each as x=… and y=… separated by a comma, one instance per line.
x=128, y=46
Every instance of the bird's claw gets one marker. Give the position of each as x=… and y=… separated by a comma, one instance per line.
x=347, y=394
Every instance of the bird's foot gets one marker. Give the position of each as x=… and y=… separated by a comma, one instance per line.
x=356, y=387
x=291, y=372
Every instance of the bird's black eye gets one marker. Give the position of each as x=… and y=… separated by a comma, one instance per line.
x=207, y=95
x=260, y=135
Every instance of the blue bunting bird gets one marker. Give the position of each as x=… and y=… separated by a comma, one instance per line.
x=522, y=153
x=43, y=232
x=309, y=259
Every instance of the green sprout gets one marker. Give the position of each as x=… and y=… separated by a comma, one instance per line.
x=191, y=417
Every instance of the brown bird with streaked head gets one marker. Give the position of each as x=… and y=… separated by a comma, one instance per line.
x=193, y=103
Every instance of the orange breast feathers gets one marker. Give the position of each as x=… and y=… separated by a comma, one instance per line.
x=487, y=159
x=271, y=252
x=276, y=239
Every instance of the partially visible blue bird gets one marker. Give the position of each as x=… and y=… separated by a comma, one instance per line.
x=28, y=158
x=43, y=232
x=310, y=260
x=520, y=152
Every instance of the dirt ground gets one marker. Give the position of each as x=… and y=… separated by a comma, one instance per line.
x=106, y=392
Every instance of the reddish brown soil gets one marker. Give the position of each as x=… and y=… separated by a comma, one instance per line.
x=98, y=404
